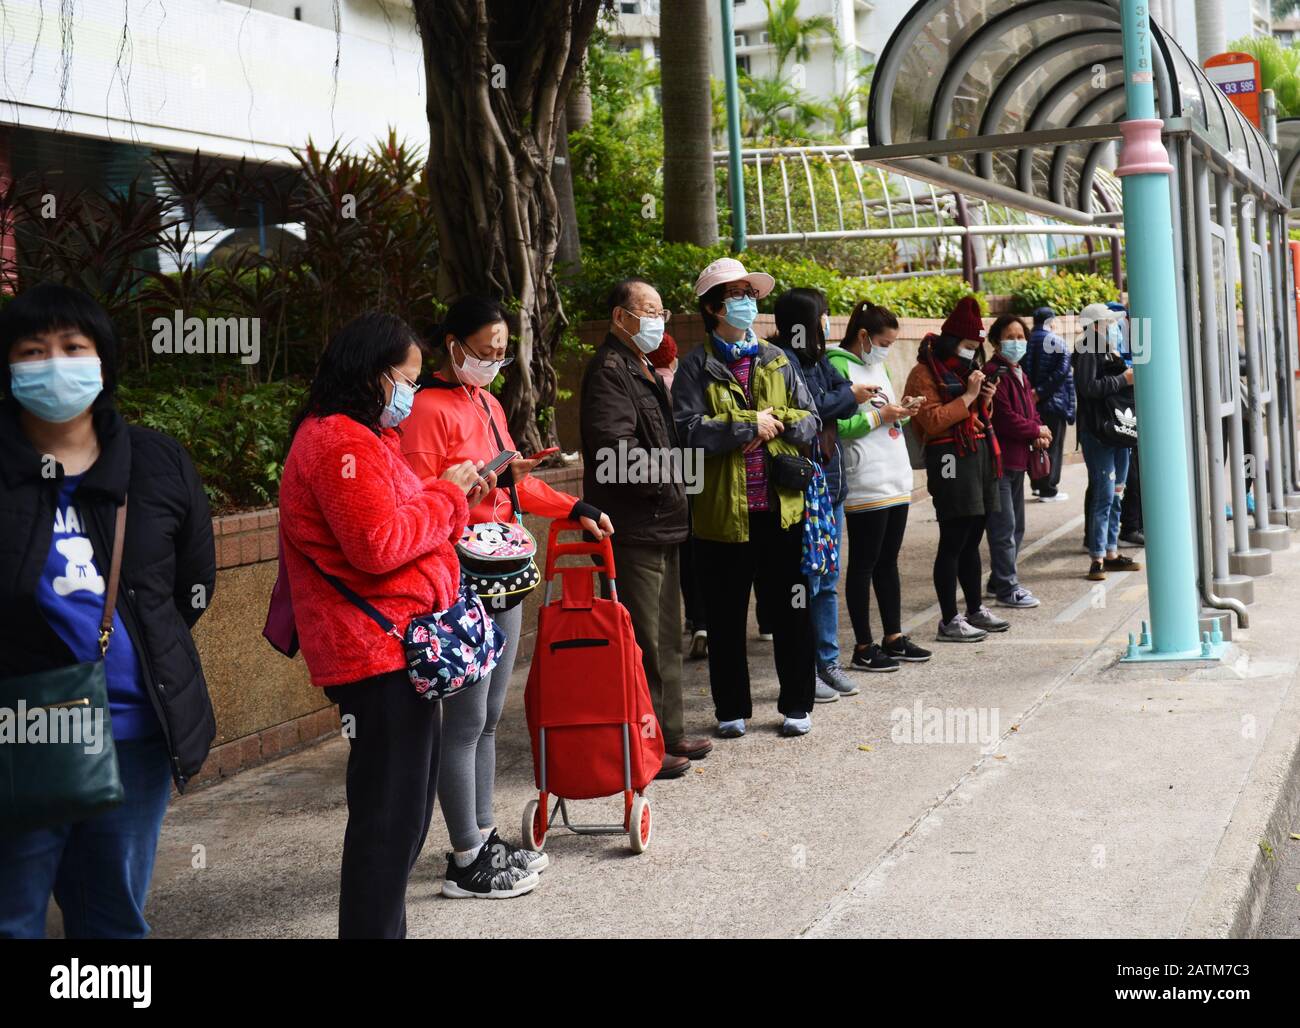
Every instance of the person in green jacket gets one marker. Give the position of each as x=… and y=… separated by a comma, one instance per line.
x=739, y=401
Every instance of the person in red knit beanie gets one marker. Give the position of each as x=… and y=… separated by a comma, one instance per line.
x=664, y=360
x=351, y=507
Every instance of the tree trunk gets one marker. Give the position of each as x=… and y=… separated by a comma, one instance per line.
x=568, y=255
x=497, y=73
x=690, y=201
x=577, y=108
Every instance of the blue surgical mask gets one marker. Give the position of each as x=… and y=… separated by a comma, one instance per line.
x=649, y=335
x=56, y=389
x=1013, y=349
x=399, y=407
x=1113, y=335
x=826, y=326
x=741, y=311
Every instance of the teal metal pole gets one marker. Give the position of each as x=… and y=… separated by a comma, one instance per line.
x=1158, y=381
x=735, y=172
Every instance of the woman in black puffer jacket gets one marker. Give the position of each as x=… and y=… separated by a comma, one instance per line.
x=67, y=462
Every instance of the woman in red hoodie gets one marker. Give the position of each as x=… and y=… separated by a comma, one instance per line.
x=351, y=507
x=457, y=419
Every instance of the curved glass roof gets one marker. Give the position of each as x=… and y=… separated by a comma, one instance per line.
x=961, y=68
x=1288, y=156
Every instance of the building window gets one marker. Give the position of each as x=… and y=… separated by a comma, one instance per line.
x=629, y=7
x=742, y=63
x=741, y=40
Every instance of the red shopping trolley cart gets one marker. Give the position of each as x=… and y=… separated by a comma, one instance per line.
x=592, y=725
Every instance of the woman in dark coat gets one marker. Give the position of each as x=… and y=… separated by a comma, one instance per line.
x=67, y=463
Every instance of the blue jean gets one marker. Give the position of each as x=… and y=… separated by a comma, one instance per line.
x=823, y=603
x=99, y=869
x=1107, y=473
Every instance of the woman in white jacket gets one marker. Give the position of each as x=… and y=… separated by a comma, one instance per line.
x=878, y=477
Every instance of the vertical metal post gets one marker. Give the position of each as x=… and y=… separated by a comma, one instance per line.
x=735, y=170
x=1158, y=377
x=1268, y=368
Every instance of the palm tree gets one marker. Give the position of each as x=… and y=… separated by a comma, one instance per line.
x=1279, y=70
x=690, y=206
x=849, y=108
x=777, y=109
x=792, y=36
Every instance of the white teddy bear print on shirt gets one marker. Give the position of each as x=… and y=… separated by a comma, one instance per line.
x=80, y=573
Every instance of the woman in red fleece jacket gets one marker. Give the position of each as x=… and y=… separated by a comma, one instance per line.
x=352, y=507
x=457, y=419
x=1019, y=429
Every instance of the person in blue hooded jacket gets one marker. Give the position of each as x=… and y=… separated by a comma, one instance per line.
x=802, y=328
x=1047, y=364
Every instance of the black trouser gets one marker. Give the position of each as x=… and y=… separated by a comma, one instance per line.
x=958, y=560
x=768, y=562
x=692, y=594
x=1056, y=422
x=391, y=785
x=875, y=538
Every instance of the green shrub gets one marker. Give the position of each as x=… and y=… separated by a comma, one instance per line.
x=1065, y=293
x=237, y=434
x=674, y=267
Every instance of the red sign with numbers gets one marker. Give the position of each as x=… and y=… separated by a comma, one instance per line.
x=1237, y=75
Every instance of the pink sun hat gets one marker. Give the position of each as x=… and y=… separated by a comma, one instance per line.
x=728, y=269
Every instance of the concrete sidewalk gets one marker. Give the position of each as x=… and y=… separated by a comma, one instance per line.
x=1103, y=802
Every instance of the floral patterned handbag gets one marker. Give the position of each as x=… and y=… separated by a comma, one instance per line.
x=820, y=535
x=446, y=651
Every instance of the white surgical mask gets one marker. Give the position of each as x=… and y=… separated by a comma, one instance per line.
x=876, y=355
x=473, y=370
x=966, y=353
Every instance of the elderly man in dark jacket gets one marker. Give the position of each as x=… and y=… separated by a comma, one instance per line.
x=1047, y=363
x=633, y=469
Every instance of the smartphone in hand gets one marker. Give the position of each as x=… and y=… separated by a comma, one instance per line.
x=499, y=461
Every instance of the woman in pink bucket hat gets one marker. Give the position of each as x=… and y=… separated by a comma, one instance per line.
x=741, y=403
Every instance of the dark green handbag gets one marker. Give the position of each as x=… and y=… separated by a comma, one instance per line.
x=57, y=759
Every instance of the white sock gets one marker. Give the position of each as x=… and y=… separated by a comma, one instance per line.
x=467, y=857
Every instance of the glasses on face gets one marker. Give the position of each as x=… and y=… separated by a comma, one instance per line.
x=665, y=314
x=474, y=360
x=734, y=293
x=414, y=386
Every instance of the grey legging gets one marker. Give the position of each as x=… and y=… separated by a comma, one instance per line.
x=467, y=767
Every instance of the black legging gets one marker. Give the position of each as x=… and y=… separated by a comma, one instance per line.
x=958, y=560
x=875, y=537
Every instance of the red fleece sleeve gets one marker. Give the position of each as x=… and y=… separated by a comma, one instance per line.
x=377, y=533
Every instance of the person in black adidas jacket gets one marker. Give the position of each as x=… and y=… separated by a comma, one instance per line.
x=67, y=461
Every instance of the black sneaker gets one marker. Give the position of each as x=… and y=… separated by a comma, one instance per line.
x=483, y=879
x=516, y=856
x=1121, y=563
x=905, y=650
x=872, y=658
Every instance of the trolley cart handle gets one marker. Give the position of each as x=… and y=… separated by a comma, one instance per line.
x=556, y=549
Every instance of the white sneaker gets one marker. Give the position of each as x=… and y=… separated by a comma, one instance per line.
x=1058, y=498
x=699, y=645
x=1020, y=597
x=959, y=630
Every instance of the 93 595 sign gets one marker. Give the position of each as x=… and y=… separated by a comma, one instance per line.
x=1237, y=75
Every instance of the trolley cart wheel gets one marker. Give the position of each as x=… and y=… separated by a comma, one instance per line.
x=534, y=834
x=642, y=826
